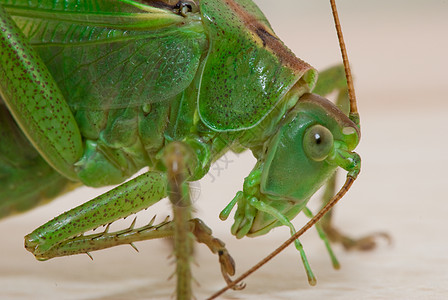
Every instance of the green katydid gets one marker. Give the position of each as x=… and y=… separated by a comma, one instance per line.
x=94, y=91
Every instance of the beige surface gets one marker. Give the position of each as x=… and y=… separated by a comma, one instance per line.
x=398, y=51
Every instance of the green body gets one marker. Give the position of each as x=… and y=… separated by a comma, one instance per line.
x=99, y=90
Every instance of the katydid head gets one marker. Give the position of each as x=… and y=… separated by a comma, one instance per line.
x=313, y=140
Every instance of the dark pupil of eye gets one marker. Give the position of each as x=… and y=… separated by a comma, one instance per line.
x=317, y=139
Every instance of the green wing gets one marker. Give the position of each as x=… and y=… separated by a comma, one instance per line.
x=112, y=54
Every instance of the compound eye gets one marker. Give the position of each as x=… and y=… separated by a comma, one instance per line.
x=317, y=142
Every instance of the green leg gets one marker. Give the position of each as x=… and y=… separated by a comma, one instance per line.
x=324, y=237
x=260, y=205
x=176, y=156
x=35, y=101
x=330, y=80
x=64, y=235
x=53, y=238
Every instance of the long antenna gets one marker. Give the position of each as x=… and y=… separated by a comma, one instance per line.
x=354, y=116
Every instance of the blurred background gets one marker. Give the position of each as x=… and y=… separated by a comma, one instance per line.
x=398, y=53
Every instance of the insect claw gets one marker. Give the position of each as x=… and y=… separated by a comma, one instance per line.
x=236, y=287
x=89, y=255
x=312, y=281
x=368, y=243
x=239, y=286
x=133, y=246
